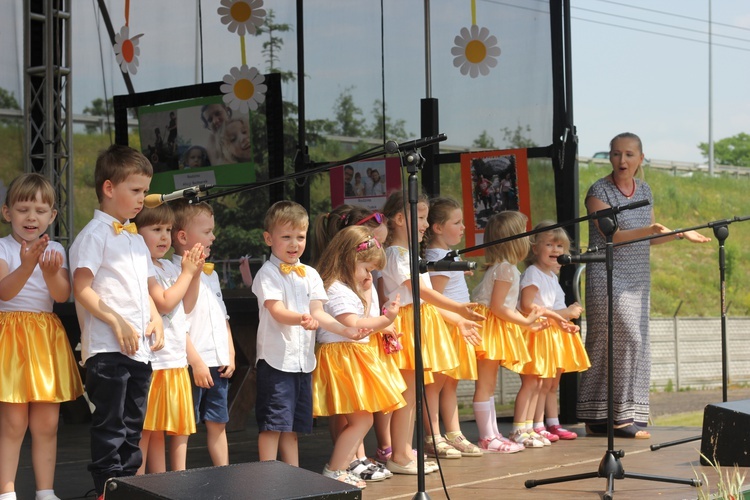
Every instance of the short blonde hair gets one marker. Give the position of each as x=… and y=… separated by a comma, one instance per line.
x=185, y=212
x=504, y=225
x=286, y=212
x=557, y=234
x=26, y=186
x=116, y=164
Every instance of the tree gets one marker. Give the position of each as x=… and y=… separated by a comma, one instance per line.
x=100, y=108
x=484, y=141
x=733, y=150
x=349, y=118
x=516, y=138
x=272, y=47
x=383, y=126
x=8, y=101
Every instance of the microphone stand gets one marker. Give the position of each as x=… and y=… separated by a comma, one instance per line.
x=610, y=466
x=413, y=161
x=721, y=232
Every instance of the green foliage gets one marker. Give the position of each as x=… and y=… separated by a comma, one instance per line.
x=272, y=47
x=8, y=101
x=484, y=141
x=350, y=121
x=733, y=150
x=669, y=387
x=384, y=127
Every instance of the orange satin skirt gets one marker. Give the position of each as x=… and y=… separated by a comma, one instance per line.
x=544, y=354
x=170, y=402
x=467, y=357
x=571, y=353
x=350, y=377
x=502, y=341
x=388, y=360
x=36, y=362
x=438, y=352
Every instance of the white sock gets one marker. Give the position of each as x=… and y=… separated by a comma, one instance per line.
x=494, y=417
x=46, y=495
x=538, y=425
x=8, y=496
x=483, y=416
x=553, y=421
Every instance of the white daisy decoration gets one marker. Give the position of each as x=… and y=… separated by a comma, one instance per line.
x=127, y=50
x=242, y=15
x=243, y=88
x=476, y=51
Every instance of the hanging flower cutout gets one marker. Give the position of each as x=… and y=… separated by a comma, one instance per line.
x=127, y=50
x=475, y=52
x=242, y=15
x=243, y=88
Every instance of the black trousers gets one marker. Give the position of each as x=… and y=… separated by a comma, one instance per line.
x=118, y=387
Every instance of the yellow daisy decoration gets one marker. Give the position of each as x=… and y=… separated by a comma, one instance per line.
x=475, y=52
x=127, y=50
x=242, y=15
x=243, y=88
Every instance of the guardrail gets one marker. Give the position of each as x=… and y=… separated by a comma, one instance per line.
x=682, y=168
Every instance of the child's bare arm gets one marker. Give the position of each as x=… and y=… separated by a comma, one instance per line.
x=124, y=332
x=437, y=299
x=167, y=299
x=227, y=370
x=281, y=314
x=469, y=330
x=376, y=324
x=155, y=328
x=13, y=282
x=55, y=275
x=201, y=373
x=328, y=322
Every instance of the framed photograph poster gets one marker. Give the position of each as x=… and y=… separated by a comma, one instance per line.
x=492, y=181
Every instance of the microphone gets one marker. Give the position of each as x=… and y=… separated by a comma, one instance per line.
x=584, y=257
x=154, y=200
x=620, y=208
x=394, y=147
x=446, y=265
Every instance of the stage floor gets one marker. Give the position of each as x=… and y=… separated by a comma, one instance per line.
x=489, y=476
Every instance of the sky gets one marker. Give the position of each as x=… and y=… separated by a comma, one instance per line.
x=638, y=65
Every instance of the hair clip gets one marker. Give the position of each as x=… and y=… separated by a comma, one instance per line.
x=366, y=245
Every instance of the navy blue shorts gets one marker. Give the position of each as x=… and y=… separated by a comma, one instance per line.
x=284, y=400
x=211, y=404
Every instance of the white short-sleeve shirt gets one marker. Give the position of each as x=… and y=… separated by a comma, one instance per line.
x=397, y=270
x=456, y=288
x=208, y=320
x=34, y=296
x=549, y=292
x=176, y=325
x=343, y=300
x=121, y=265
x=288, y=348
x=503, y=271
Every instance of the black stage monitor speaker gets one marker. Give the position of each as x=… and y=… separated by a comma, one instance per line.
x=269, y=480
x=726, y=433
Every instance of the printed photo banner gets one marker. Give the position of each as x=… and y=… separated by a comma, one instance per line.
x=365, y=183
x=196, y=141
x=491, y=182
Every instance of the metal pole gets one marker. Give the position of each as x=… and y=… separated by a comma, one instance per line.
x=710, y=98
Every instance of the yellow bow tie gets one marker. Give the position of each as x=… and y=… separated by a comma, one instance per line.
x=288, y=268
x=129, y=227
x=208, y=267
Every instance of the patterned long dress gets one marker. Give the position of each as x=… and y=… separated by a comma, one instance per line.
x=631, y=306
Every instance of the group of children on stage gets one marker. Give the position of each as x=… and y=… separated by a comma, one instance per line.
x=334, y=340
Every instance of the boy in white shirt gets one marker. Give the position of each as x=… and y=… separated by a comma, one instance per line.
x=210, y=350
x=290, y=303
x=120, y=326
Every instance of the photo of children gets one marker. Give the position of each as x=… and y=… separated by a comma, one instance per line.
x=196, y=141
x=492, y=182
x=365, y=183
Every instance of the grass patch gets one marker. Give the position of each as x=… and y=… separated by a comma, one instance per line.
x=689, y=419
